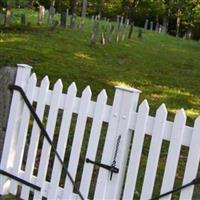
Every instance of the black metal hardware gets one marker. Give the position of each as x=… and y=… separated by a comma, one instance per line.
x=35, y=187
x=110, y=168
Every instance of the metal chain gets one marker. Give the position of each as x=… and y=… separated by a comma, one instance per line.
x=115, y=154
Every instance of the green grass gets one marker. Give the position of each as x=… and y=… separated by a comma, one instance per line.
x=166, y=69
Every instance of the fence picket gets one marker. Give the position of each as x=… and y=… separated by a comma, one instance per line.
x=154, y=152
x=23, y=130
x=62, y=140
x=23, y=74
x=93, y=142
x=173, y=153
x=77, y=141
x=136, y=150
x=34, y=140
x=192, y=162
x=55, y=99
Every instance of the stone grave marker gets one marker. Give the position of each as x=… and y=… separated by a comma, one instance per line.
x=95, y=32
x=157, y=27
x=8, y=16
x=81, y=24
x=51, y=15
x=73, y=21
x=41, y=13
x=63, y=19
x=131, y=30
x=151, y=26
x=160, y=29
x=146, y=25
x=110, y=35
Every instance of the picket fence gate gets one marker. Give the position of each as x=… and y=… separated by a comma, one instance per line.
x=123, y=121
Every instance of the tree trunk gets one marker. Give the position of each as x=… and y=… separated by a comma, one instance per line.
x=84, y=8
x=100, y=4
x=73, y=6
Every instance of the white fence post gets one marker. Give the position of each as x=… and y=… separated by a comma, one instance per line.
x=23, y=73
x=125, y=102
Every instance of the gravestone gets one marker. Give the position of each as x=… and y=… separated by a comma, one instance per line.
x=8, y=16
x=160, y=29
x=103, y=41
x=130, y=30
x=81, y=24
x=151, y=26
x=146, y=25
x=95, y=32
x=23, y=19
x=63, y=19
x=73, y=21
x=140, y=33
x=123, y=32
x=52, y=11
x=110, y=35
x=122, y=20
x=92, y=17
x=157, y=27
x=41, y=12
x=118, y=19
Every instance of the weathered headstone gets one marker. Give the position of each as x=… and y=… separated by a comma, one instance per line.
x=103, y=41
x=63, y=19
x=123, y=32
x=8, y=16
x=157, y=27
x=95, y=32
x=130, y=30
x=146, y=24
x=73, y=21
x=23, y=19
x=140, y=33
x=151, y=26
x=41, y=12
x=160, y=29
x=92, y=18
x=110, y=35
x=118, y=19
x=122, y=20
x=52, y=11
x=7, y=77
x=81, y=24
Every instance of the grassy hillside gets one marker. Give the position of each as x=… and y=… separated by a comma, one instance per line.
x=164, y=68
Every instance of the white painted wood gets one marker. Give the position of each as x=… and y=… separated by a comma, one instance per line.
x=93, y=143
x=154, y=152
x=23, y=74
x=62, y=140
x=136, y=151
x=23, y=130
x=192, y=161
x=128, y=105
x=173, y=153
x=108, y=147
x=77, y=141
x=187, y=135
x=51, y=122
x=34, y=140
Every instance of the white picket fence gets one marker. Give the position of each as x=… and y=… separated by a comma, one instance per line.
x=123, y=120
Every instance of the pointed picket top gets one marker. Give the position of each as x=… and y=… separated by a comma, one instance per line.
x=162, y=110
x=102, y=95
x=144, y=106
x=45, y=81
x=32, y=79
x=180, y=116
x=58, y=85
x=87, y=92
x=72, y=88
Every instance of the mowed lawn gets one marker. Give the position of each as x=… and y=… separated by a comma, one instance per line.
x=166, y=69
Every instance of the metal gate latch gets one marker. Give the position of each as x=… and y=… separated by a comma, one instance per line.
x=110, y=168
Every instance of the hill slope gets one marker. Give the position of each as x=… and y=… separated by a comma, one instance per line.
x=164, y=68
